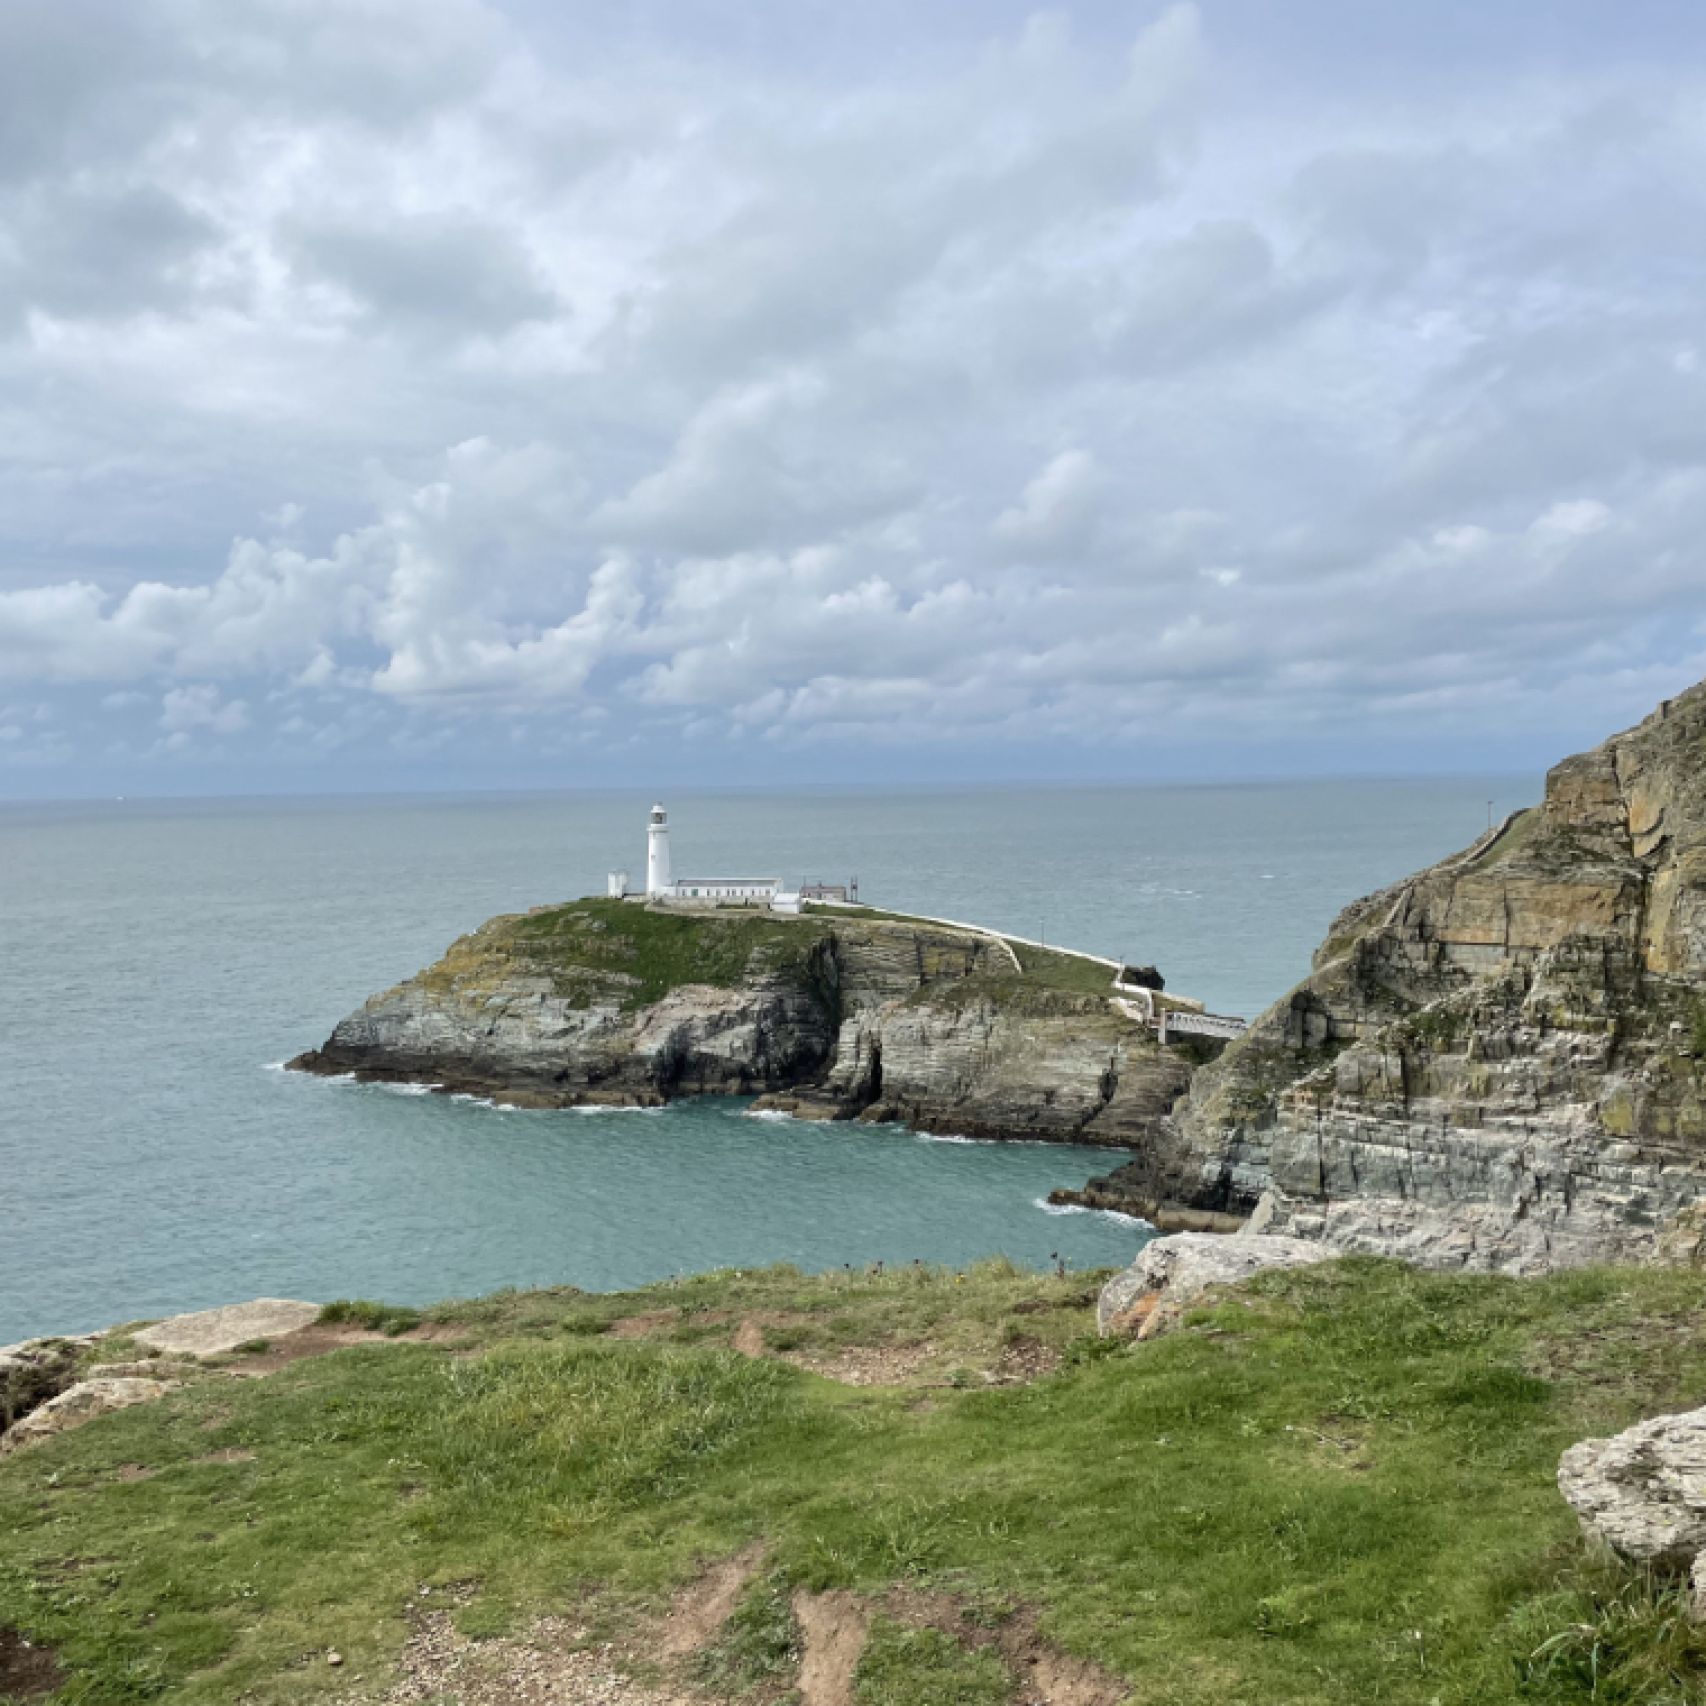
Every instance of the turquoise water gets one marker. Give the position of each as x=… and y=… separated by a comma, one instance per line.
x=156, y=959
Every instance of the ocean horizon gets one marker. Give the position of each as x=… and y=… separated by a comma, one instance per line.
x=161, y=955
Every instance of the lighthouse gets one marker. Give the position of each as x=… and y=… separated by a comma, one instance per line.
x=657, y=853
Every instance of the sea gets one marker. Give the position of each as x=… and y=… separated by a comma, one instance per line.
x=160, y=959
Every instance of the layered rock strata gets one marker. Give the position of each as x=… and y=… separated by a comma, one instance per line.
x=829, y=1016
x=1499, y=1063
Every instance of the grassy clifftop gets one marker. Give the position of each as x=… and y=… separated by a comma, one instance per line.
x=599, y=949
x=1334, y=1487
x=595, y=950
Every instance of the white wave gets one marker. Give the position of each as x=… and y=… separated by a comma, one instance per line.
x=405, y=1089
x=475, y=1101
x=1078, y=1208
x=952, y=1137
x=613, y=1108
x=275, y=1066
x=777, y=1116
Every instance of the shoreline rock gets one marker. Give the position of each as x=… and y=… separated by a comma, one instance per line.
x=837, y=1019
x=1496, y=1064
x=34, y=1371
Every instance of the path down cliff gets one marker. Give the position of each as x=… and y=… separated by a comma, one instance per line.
x=1498, y=1063
x=833, y=1015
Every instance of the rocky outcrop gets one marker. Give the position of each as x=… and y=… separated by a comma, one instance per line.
x=1499, y=1063
x=1150, y=1296
x=1642, y=1493
x=213, y=1332
x=829, y=1016
x=80, y=1403
x=33, y=1372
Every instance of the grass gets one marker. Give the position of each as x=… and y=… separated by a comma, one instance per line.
x=759, y=1645
x=1069, y=972
x=596, y=946
x=1518, y=835
x=388, y=1318
x=1334, y=1488
x=923, y=1667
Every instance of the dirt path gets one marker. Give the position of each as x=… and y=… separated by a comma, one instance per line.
x=704, y=1606
x=833, y=1627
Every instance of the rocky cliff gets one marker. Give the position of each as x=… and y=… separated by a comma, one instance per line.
x=830, y=1015
x=1498, y=1063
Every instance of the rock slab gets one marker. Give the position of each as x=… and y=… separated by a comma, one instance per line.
x=213, y=1332
x=1171, y=1272
x=79, y=1404
x=1642, y=1492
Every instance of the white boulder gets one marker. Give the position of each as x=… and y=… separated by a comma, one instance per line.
x=1643, y=1492
x=1170, y=1272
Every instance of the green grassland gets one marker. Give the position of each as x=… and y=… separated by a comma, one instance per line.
x=595, y=948
x=1335, y=1486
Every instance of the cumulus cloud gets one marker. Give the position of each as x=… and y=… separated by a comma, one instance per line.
x=417, y=373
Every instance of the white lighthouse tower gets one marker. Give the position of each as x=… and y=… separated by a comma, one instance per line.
x=657, y=853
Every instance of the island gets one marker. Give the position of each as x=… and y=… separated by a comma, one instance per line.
x=831, y=1011
x=1498, y=1062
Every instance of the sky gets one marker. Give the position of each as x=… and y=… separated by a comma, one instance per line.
x=723, y=392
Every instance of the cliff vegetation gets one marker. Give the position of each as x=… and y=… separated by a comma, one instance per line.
x=1332, y=1486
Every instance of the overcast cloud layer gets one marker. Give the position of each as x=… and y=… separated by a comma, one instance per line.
x=440, y=395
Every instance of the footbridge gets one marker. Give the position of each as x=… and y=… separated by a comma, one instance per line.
x=1175, y=1015
x=1183, y=1021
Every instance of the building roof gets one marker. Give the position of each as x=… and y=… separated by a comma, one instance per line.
x=725, y=882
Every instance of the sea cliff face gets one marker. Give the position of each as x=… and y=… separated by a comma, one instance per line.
x=1498, y=1063
x=832, y=1016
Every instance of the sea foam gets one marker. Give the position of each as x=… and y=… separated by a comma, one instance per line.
x=1078, y=1208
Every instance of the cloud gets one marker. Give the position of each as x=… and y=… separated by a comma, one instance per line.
x=441, y=274
x=184, y=710
x=452, y=377
x=101, y=252
x=1058, y=510
x=1573, y=518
